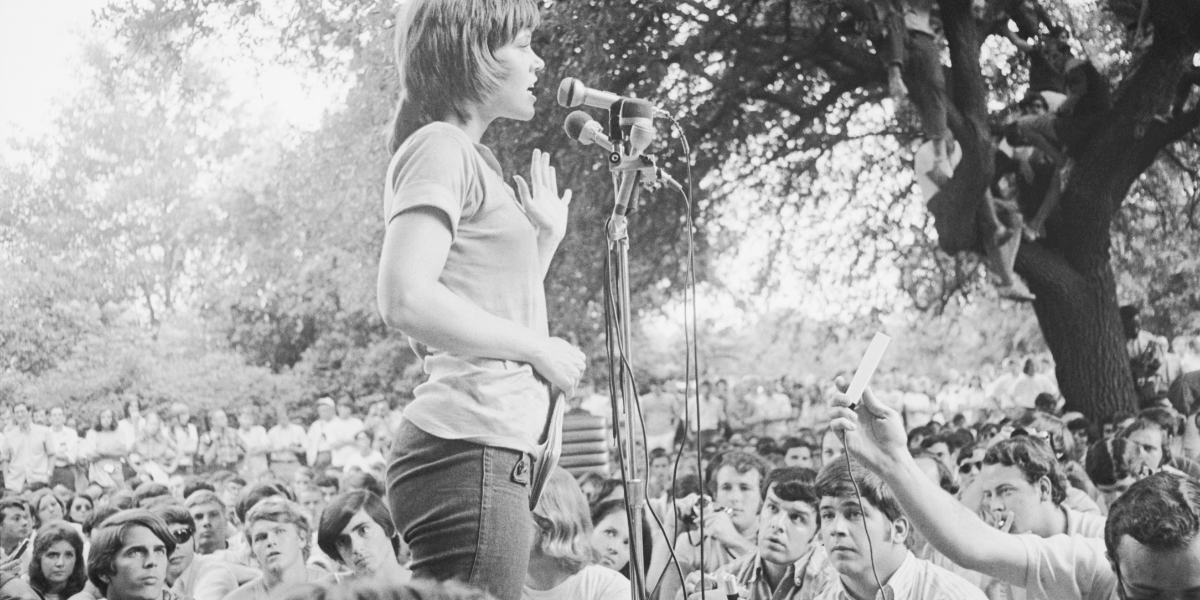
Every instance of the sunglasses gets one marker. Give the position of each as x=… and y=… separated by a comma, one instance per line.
x=182, y=536
x=967, y=467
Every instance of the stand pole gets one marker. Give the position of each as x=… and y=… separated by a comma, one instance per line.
x=635, y=484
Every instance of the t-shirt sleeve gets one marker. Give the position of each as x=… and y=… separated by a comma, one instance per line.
x=1067, y=567
x=608, y=585
x=433, y=171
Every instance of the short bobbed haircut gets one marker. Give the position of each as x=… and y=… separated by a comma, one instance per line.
x=337, y=515
x=49, y=534
x=445, y=54
x=564, y=523
x=109, y=538
x=278, y=509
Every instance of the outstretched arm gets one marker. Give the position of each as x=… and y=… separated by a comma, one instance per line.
x=874, y=435
x=1016, y=40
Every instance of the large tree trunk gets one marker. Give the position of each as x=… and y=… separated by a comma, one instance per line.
x=1077, y=312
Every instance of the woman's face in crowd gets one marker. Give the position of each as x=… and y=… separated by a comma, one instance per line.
x=831, y=448
x=219, y=419
x=106, y=418
x=363, y=441
x=49, y=509
x=152, y=423
x=610, y=538
x=58, y=562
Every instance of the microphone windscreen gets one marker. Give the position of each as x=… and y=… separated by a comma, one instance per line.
x=637, y=109
x=575, y=123
x=570, y=93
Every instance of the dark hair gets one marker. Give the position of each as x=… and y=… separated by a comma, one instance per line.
x=327, y=481
x=98, y=517
x=175, y=514
x=1161, y=512
x=108, y=539
x=13, y=502
x=98, y=427
x=257, y=493
x=742, y=462
x=90, y=501
x=364, y=481
x=608, y=507
x=445, y=54
x=418, y=589
x=793, y=484
x=834, y=481
x=795, y=442
x=148, y=490
x=340, y=510
x=1050, y=428
x=686, y=484
x=1032, y=456
x=48, y=535
x=1169, y=420
x=196, y=485
x=1106, y=463
x=1045, y=402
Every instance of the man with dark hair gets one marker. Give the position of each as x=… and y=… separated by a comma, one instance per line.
x=867, y=536
x=944, y=447
x=1149, y=548
x=129, y=556
x=16, y=525
x=730, y=520
x=329, y=486
x=1151, y=437
x=798, y=453
x=188, y=574
x=146, y=493
x=356, y=530
x=787, y=528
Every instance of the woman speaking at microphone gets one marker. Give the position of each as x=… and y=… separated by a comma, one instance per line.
x=461, y=273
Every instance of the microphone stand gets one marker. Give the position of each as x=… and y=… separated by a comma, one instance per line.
x=632, y=171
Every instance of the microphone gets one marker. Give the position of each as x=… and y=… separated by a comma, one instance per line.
x=581, y=127
x=573, y=92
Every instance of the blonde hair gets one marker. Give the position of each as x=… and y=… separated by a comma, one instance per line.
x=564, y=523
x=445, y=55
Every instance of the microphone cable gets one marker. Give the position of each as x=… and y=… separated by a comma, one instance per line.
x=862, y=511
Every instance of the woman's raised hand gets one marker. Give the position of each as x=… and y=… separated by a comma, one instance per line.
x=540, y=197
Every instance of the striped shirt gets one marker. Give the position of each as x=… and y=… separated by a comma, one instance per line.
x=916, y=579
x=802, y=580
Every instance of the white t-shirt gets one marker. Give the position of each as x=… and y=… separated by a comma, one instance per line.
x=1067, y=567
x=592, y=583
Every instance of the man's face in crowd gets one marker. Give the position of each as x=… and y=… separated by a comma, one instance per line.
x=799, y=456
x=1005, y=489
x=1145, y=449
x=739, y=493
x=16, y=526
x=140, y=567
x=39, y=416
x=941, y=451
x=364, y=546
x=325, y=411
x=345, y=411
x=276, y=546
x=328, y=492
x=312, y=500
x=785, y=529
x=185, y=551
x=1159, y=574
x=844, y=530
x=57, y=417
x=969, y=466
x=661, y=468
x=219, y=419
x=212, y=527
x=21, y=414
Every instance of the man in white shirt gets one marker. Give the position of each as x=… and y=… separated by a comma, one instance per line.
x=65, y=442
x=867, y=536
x=28, y=451
x=187, y=439
x=320, y=438
x=343, y=430
x=1151, y=548
x=289, y=442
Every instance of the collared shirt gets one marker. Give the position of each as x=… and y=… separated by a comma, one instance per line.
x=802, y=580
x=222, y=447
x=916, y=579
x=187, y=442
x=1080, y=524
x=342, y=431
x=716, y=554
x=207, y=578
x=28, y=460
x=1067, y=566
x=289, y=437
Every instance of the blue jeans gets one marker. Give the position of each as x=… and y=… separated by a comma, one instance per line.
x=463, y=509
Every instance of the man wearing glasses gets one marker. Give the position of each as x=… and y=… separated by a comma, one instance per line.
x=191, y=575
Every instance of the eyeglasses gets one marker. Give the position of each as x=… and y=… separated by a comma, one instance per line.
x=969, y=466
x=182, y=536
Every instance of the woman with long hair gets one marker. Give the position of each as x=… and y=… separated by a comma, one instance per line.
x=562, y=560
x=106, y=448
x=157, y=450
x=461, y=273
x=57, y=569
